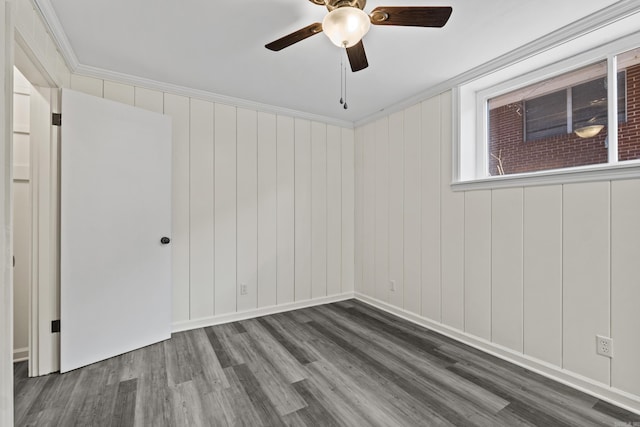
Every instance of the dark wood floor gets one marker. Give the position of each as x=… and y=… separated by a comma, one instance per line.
x=340, y=364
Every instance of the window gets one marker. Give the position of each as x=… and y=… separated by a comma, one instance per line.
x=629, y=129
x=545, y=116
x=575, y=107
x=557, y=123
x=569, y=112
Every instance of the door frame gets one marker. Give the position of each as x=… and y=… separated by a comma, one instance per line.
x=44, y=353
x=6, y=212
x=14, y=50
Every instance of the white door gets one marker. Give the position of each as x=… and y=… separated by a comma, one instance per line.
x=115, y=272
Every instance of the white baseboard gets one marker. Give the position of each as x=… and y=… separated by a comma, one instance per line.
x=250, y=314
x=20, y=354
x=602, y=391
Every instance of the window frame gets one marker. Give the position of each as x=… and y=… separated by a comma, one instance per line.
x=470, y=151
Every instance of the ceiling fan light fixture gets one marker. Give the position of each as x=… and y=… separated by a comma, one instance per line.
x=346, y=26
x=589, y=131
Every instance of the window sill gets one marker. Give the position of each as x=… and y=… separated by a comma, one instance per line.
x=605, y=172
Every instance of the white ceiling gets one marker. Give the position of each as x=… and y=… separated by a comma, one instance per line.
x=218, y=46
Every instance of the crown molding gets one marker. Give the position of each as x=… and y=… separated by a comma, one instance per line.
x=115, y=76
x=590, y=23
x=593, y=22
x=48, y=15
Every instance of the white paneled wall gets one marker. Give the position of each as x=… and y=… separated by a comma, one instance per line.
x=381, y=210
x=542, y=294
x=267, y=210
x=625, y=292
x=247, y=209
x=412, y=280
x=396, y=207
x=303, y=214
x=225, y=216
x=201, y=211
x=285, y=238
x=531, y=272
x=262, y=203
x=586, y=274
x=477, y=263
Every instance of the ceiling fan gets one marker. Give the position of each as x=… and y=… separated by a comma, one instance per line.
x=346, y=24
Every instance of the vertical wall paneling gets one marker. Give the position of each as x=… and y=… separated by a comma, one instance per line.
x=178, y=108
x=225, y=209
x=303, y=215
x=369, y=210
x=586, y=293
x=429, y=151
x=412, y=212
x=542, y=288
x=358, y=225
x=318, y=209
x=247, y=208
x=334, y=210
x=540, y=270
x=382, y=209
x=148, y=99
x=396, y=209
x=452, y=238
x=201, y=200
x=625, y=292
x=348, y=262
x=286, y=217
x=119, y=92
x=506, y=268
x=477, y=263
x=267, y=210
x=88, y=85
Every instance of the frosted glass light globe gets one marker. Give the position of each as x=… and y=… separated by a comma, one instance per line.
x=346, y=26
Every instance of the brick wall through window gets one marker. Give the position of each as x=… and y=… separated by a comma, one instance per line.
x=506, y=139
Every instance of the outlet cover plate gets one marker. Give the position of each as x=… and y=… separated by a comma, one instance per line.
x=604, y=346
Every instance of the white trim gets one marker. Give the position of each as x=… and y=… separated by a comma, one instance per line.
x=100, y=73
x=599, y=390
x=595, y=21
x=602, y=172
x=612, y=95
x=20, y=354
x=49, y=17
x=6, y=213
x=21, y=173
x=250, y=314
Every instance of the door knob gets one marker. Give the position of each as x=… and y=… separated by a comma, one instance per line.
x=165, y=240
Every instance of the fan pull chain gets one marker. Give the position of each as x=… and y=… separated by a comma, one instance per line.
x=345, y=106
x=341, y=80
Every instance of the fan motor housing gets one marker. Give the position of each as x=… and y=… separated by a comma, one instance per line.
x=335, y=4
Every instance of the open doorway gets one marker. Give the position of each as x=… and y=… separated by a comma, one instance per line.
x=36, y=216
x=22, y=223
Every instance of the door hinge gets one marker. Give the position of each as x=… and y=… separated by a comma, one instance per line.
x=56, y=119
x=55, y=326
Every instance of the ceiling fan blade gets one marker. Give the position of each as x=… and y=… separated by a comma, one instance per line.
x=409, y=16
x=295, y=37
x=357, y=57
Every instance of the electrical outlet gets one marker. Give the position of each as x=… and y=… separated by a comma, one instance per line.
x=604, y=346
x=243, y=289
x=392, y=285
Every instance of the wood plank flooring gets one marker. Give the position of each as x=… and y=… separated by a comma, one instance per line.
x=342, y=364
